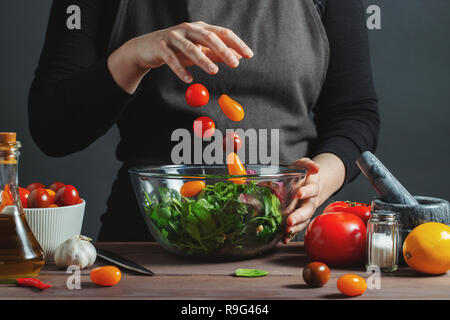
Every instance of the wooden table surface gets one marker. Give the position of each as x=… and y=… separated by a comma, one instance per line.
x=180, y=278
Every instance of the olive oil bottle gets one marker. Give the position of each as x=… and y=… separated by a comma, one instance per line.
x=20, y=253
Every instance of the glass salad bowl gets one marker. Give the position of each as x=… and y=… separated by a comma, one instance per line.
x=216, y=215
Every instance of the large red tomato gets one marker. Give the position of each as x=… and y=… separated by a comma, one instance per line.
x=337, y=239
x=362, y=210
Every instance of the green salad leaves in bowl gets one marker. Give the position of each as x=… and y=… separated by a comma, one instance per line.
x=220, y=216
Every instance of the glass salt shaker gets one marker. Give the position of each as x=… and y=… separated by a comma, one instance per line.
x=382, y=241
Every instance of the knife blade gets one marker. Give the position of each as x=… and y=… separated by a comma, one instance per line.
x=122, y=262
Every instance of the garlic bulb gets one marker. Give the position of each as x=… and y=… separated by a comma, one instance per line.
x=76, y=251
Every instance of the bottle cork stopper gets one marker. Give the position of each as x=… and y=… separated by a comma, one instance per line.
x=8, y=137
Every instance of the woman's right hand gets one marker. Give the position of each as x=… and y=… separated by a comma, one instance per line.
x=183, y=45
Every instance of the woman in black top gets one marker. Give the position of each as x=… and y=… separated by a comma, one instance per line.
x=127, y=66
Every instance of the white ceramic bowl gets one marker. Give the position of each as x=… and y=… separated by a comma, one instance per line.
x=53, y=226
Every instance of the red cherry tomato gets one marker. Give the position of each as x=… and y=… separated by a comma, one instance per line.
x=362, y=210
x=337, y=239
x=67, y=196
x=35, y=185
x=316, y=274
x=24, y=194
x=351, y=285
x=39, y=198
x=197, y=95
x=204, y=127
x=231, y=108
x=232, y=140
x=55, y=186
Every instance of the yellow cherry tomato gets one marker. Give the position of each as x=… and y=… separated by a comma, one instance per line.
x=192, y=188
x=231, y=108
x=351, y=285
x=106, y=276
x=235, y=167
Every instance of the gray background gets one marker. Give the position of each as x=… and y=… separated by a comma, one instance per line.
x=411, y=67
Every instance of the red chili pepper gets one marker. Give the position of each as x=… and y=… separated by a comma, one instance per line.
x=32, y=282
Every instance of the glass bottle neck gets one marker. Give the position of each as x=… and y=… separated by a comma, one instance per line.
x=9, y=156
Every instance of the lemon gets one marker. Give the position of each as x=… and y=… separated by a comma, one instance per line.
x=427, y=248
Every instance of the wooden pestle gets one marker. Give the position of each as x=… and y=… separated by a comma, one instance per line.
x=388, y=187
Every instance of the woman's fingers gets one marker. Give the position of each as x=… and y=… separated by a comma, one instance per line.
x=209, y=53
x=310, y=166
x=231, y=40
x=303, y=213
x=193, y=52
x=174, y=63
x=294, y=230
x=210, y=40
x=309, y=191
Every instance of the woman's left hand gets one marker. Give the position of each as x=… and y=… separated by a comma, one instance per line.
x=304, y=199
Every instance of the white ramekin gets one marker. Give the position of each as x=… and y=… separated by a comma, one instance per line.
x=53, y=226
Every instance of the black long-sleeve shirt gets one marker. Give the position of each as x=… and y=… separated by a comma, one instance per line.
x=74, y=94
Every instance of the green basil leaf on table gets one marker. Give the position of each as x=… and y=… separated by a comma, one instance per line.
x=250, y=273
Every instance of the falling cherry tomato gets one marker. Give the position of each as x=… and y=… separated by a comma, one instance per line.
x=232, y=139
x=316, y=274
x=106, y=276
x=197, y=95
x=351, y=285
x=235, y=167
x=204, y=127
x=231, y=108
x=192, y=188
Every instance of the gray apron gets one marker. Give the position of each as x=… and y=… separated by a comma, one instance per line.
x=277, y=87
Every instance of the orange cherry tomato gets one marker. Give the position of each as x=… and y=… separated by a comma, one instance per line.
x=231, y=108
x=51, y=194
x=232, y=140
x=192, y=188
x=7, y=198
x=53, y=205
x=106, y=276
x=351, y=285
x=235, y=167
x=204, y=127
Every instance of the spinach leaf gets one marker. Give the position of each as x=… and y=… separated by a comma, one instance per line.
x=250, y=273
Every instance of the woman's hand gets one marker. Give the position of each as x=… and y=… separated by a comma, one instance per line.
x=186, y=44
x=325, y=175
x=304, y=199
